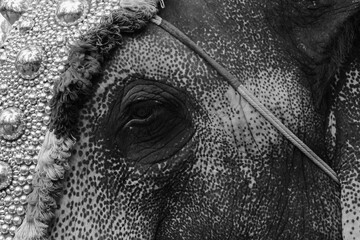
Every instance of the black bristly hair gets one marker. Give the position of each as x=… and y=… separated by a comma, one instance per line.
x=85, y=64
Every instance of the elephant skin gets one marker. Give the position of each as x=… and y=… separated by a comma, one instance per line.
x=343, y=141
x=167, y=149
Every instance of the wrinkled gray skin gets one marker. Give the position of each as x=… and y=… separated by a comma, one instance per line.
x=202, y=163
x=343, y=138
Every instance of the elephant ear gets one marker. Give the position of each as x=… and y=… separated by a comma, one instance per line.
x=325, y=36
x=320, y=35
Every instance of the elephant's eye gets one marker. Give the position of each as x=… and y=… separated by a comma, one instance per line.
x=151, y=124
x=143, y=112
x=144, y=109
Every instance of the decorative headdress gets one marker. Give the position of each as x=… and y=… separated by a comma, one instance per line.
x=48, y=63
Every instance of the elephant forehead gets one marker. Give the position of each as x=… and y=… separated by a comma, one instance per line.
x=159, y=57
x=155, y=55
x=162, y=58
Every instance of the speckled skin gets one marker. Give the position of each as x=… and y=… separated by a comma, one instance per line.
x=343, y=137
x=205, y=164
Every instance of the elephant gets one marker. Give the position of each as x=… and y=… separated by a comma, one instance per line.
x=113, y=128
x=343, y=142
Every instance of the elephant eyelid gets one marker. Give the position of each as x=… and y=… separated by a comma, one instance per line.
x=143, y=111
x=142, y=101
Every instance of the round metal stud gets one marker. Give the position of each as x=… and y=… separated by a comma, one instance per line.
x=27, y=189
x=11, y=124
x=26, y=24
x=12, y=9
x=17, y=220
x=4, y=88
x=29, y=62
x=5, y=175
x=24, y=170
x=71, y=12
x=4, y=228
x=3, y=56
x=32, y=97
x=8, y=219
x=20, y=210
x=23, y=199
x=8, y=200
x=12, y=230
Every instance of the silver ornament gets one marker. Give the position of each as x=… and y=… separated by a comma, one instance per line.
x=11, y=124
x=13, y=9
x=70, y=12
x=29, y=62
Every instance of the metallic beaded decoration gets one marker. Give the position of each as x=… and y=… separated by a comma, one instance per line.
x=29, y=67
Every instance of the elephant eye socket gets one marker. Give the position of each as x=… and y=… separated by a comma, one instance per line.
x=149, y=123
